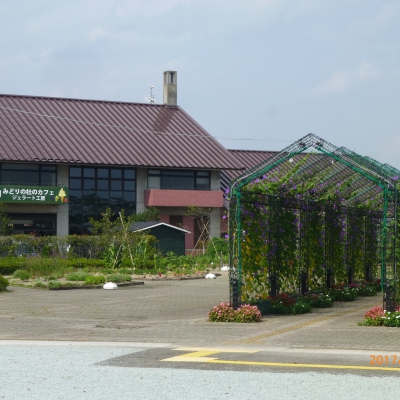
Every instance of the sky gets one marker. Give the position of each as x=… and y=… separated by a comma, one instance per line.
x=261, y=72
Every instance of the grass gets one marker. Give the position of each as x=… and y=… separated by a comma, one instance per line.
x=77, y=276
x=47, y=272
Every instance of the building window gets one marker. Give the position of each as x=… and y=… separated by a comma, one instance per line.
x=178, y=179
x=28, y=174
x=93, y=189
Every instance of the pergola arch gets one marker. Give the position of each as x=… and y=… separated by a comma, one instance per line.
x=298, y=206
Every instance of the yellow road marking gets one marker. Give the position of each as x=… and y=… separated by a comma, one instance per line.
x=200, y=356
x=324, y=366
x=259, y=338
x=215, y=349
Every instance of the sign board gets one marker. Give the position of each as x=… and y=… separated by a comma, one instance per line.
x=33, y=194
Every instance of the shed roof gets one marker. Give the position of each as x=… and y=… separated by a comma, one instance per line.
x=59, y=130
x=143, y=226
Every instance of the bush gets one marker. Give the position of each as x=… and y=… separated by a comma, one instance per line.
x=3, y=284
x=39, y=283
x=282, y=304
x=392, y=319
x=247, y=313
x=286, y=304
x=117, y=278
x=216, y=247
x=222, y=313
x=95, y=280
x=21, y=274
x=54, y=284
x=9, y=265
x=301, y=307
x=377, y=316
x=320, y=300
x=367, y=290
x=225, y=313
x=77, y=276
x=341, y=293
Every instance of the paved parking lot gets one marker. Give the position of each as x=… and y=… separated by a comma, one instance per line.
x=176, y=312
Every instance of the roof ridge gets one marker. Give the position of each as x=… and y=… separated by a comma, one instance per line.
x=85, y=100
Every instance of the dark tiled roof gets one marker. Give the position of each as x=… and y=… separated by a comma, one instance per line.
x=251, y=158
x=105, y=132
x=247, y=158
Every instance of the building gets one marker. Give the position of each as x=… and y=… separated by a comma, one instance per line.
x=63, y=161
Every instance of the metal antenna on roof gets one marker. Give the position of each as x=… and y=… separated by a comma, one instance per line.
x=151, y=98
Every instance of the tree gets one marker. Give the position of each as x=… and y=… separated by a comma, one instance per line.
x=149, y=214
x=106, y=225
x=121, y=240
x=6, y=227
x=202, y=218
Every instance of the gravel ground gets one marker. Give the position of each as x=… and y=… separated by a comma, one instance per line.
x=55, y=371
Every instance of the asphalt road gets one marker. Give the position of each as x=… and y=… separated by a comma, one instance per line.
x=45, y=370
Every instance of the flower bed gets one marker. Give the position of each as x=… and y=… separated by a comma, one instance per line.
x=343, y=293
x=377, y=316
x=320, y=300
x=286, y=304
x=225, y=313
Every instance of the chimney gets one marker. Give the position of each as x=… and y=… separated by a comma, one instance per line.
x=171, y=88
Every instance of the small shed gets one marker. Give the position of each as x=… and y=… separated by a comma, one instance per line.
x=170, y=238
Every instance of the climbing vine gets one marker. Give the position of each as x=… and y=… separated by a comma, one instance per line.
x=299, y=235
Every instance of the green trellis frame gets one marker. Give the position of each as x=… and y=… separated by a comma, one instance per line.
x=372, y=176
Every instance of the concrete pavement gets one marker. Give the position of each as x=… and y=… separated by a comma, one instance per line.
x=175, y=312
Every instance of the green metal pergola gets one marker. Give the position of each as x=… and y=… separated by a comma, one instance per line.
x=369, y=182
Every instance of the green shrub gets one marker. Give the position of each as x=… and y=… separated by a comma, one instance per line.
x=377, y=316
x=367, y=290
x=95, y=280
x=301, y=307
x=3, y=284
x=126, y=271
x=116, y=278
x=77, y=276
x=320, y=300
x=392, y=319
x=88, y=263
x=247, y=313
x=39, y=283
x=21, y=274
x=343, y=294
x=216, y=247
x=286, y=304
x=9, y=265
x=54, y=284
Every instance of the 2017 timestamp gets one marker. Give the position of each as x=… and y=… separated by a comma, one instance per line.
x=384, y=360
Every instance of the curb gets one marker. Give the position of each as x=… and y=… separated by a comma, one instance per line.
x=178, y=279
x=96, y=286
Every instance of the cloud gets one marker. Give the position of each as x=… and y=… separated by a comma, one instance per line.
x=341, y=81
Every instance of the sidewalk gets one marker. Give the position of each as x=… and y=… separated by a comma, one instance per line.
x=175, y=312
